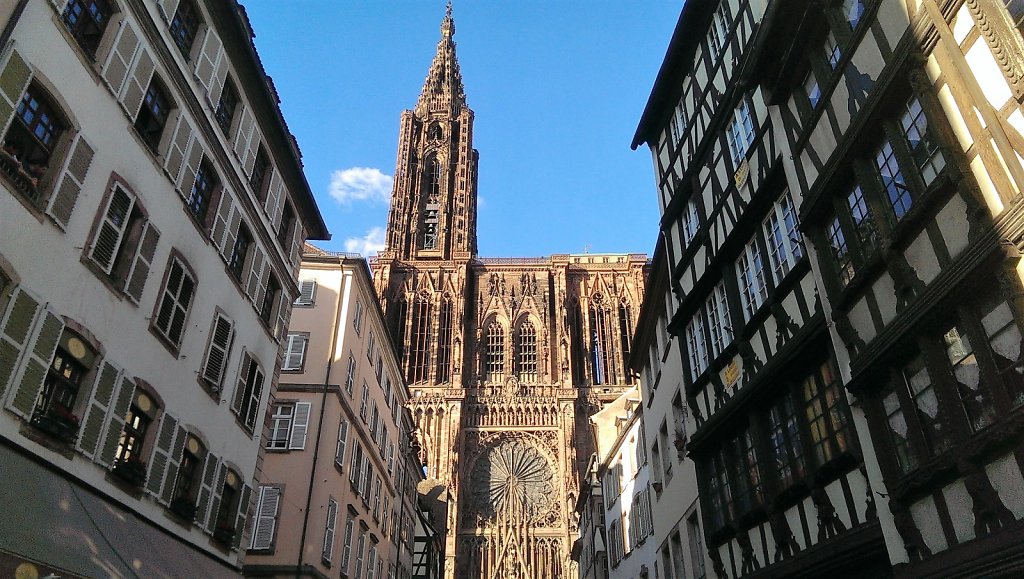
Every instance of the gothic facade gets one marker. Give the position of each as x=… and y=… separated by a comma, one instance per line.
x=505, y=358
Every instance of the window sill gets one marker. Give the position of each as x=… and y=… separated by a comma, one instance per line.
x=172, y=349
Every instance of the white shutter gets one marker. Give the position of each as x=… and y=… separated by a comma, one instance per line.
x=209, y=492
x=122, y=54
x=248, y=156
x=307, y=289
x=300, y=425
x=283, y=310
x=138, y=82
x=135, y=282
x=217, y=355
x=166, y=437
x=256, y=265
x=391, y=457
x=37, y=358
x=242, y=515
x=187, y=178
x=339, y=451
x=16, y=326
x=244, y=133
x=173, y=461
x=113, y=225
x=332, y=522
x=231, y=232
x=96, y=413
x=220, y=222
x=298, y=237
x=59, y=5
x=243, y=373
x=273, y=204
x=178, y=147
x=266, y=518
x=70, y=182
x=295, y=352
x=254, y=398
x=116, y=414
x=220, y=76
x=209, y=59
x=261, y=288
x=168, y=8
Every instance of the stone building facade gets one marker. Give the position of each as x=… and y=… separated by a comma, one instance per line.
x=152, y=212
x=505, y=358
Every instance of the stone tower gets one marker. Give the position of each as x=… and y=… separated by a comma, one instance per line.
x=505, y=357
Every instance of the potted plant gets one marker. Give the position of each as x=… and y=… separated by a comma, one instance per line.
x=184, y=507
x=131, y=471
x=224, y=533
x=58, y=422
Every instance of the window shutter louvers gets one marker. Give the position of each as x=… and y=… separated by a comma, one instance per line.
x=261, y=286
x=220, y=222
x=236, y=403
x=138, y=82
x=99, y=404
x=300, y=425
x=244, y=133
x=295, y=352
x=173, y=461
x=307, y=287
x=15, y=329
x=70, y=180
x=283, y=311
x=339, y=451
x=135, y=282
x=298, y=237
x=209, y=59
x=273, y=204
x=220, y=75
x=115, y=71
x=242, y=515
x=187, y=178
x=255, y=274
x=36, y=362
x=206, y=505
x=231, y=232
x=177, y=148
x=122, y=400
x=14, y=80
x=266, y=518
x=217, y=356
x=254, y=399
x=165, y=439
x=332, y=522
x=112, y=228
x=248, y=157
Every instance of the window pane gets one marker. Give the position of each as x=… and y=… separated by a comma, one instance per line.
x=893, y=181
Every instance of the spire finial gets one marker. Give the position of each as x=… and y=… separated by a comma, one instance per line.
x=448, y=24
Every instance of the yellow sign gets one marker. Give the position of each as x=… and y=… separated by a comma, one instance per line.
x=731, y=374
x=742, y=172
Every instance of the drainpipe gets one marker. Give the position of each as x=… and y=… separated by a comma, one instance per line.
x=8, y=30
x=320, y=423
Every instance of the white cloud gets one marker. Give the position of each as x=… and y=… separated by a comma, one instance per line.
x=360, y=184
x=367, y=245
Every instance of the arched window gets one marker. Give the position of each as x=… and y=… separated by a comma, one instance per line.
x=444, y=342
x=494, y=364
x=600, y=343
x=419, y=356
x=432, y=207
x=625, y=334
x=436, y=132
x=31, y=140
x=434, y=178
x=399, y=317
x=576, y=327
x=527, y=352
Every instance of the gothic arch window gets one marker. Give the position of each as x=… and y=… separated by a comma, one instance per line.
x=431, y=207
x=625, y=333
x=444, y=342
x=576, y=327
x=526, y=352
x=419, y=353
x=436, y=133
x=494, y=357
x=600, y=343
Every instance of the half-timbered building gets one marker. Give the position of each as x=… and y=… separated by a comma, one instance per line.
x=903, y=123
x=783, y=492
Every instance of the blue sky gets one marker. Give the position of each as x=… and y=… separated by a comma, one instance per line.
x=557, y=86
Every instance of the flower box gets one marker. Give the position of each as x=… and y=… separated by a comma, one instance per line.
x=131, y=471
x=58, y=423
x=184, y=508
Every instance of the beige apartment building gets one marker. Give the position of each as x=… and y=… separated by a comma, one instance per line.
x=152, y=211
x=338, y=491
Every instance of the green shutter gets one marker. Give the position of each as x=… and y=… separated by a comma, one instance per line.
x=14, y=79
x=38, y=360
x=70, y=182
x=116, y=415
x=173, y=461
x=206, y=489
x=217, y=494
x=243, y=512
x=161, y=451
x=96, y=414
x=15, y=326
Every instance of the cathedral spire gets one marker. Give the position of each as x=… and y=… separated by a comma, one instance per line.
x=443, y=90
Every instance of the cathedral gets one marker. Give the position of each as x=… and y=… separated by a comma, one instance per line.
x=506, y=358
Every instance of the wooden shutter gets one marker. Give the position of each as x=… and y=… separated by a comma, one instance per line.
x=166, y=437
x=116, y=414
x=248, y=156
x=329, y=530
x=122, y=54
x=210, y=488
x=261, y=289
x=295, y=351
x=178, y=147
x=14, y=79
x=243, y=514
x=107, y=379
x=254, y=398
x=220, y=76
x=353, y=467
x=273, y=204
x=36, y=361
x=244, y=133
x=209, y=58
x=217, y=355
x=70, y=182
x=193, y=159
x=231, y=232
x=256, y=265
x=339, y=451
x=300, y=425
x=15, y=329
x=173, y=461
x=113, y=225
x=221, y=220
x=138, y=83
x=266, y=518
x=307, y=288
x=135, y=282
x=298, y=237
x=283, y=310
x=243, y=373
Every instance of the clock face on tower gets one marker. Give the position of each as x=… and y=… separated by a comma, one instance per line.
x=512, y=480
